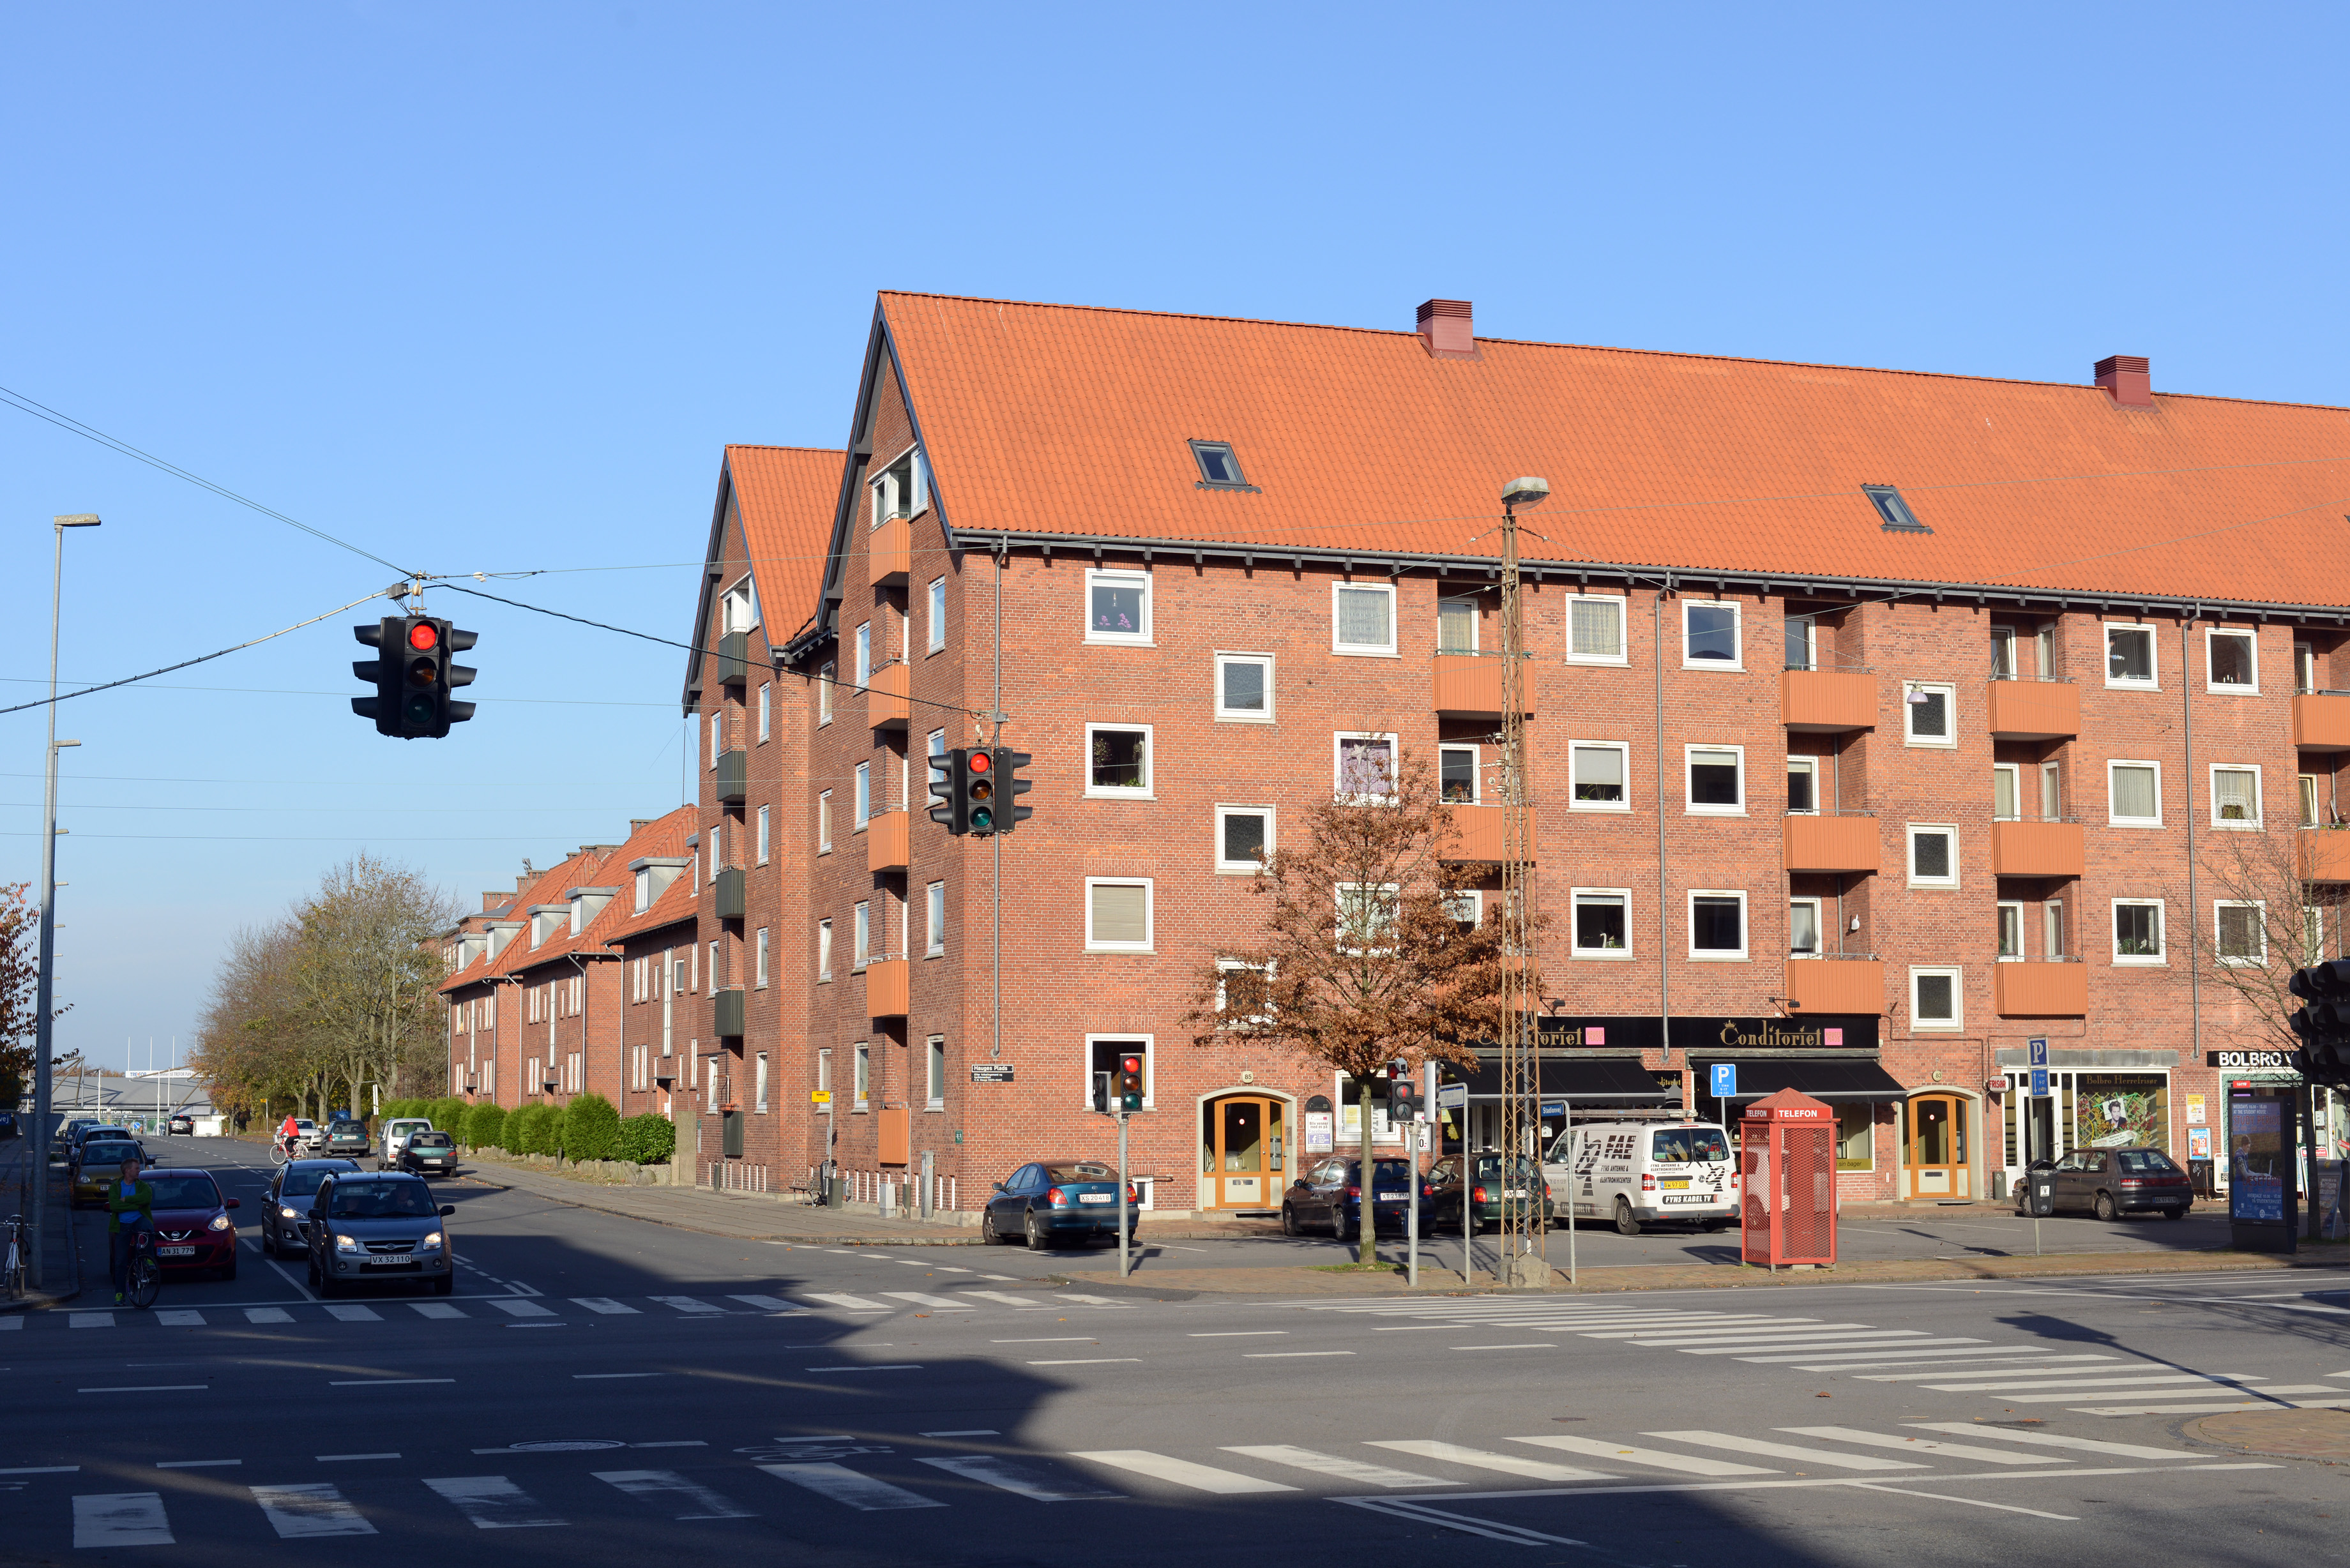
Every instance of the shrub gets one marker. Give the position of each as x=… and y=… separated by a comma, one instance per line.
x=486, y=1126
x=543, y=1132
x=518, y=1123
x=648, y=1140
x=447, y=1115
x=591, y=1128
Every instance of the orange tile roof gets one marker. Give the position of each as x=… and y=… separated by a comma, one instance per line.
x=664, y=837
x=1072, y=421
x=787, y=495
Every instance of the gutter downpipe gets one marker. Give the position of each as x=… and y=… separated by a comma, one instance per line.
x=1664, y=911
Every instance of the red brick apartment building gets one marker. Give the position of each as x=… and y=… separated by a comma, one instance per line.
x=1881, y=722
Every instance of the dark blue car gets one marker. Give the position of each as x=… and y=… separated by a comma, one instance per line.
x=1056, y=1202
x=1329, y=1196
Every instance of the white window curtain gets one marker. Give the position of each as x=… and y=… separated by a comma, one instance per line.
x=1363, y=618
x=1596, y=628
x=2236, y=790
x=2134, y=792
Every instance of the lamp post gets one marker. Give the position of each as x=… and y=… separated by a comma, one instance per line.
x=1525, y=1261
x=44, y=987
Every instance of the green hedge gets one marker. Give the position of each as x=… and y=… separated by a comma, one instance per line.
x=648, y=1140
x=542, y=1131
x=516, y=1123
x=447, y=1115
x=591, y=1128
x=484, y=1125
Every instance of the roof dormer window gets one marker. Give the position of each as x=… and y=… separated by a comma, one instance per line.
x=1898, y=518
x=901, y=490
x=1220, y=466
x=740, y=610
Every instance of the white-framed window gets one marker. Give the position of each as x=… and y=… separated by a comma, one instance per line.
x=824, y=949
x=1362, y=765
x=1117, y=914
x=901, y=489
x=1595, y=628
x=2313, y=935
x=1467, y=907
x=2306, y=793
x=1709, y=635
x=1603, y=922
x=762, y=834
x=1245, y=688
x=864, y=796
x=1930, y=713
x=937, y=615
x=860, y=937
x=2044, y=647
x=1803, y=928
x=824, y=683
x=2236, y=796
x=1118, y=607
x=1599, y=775
x=1118, y=762
x=2002, y=653
x=2240, y=931
x=1362, y=619
x=1456, y=626
x=1933, y=854
x=1717, y=780
x=741, y=608
x=934, y=919
x=2051, y=792
x=2304, y=667
x=759, y=962
x=1456, y=774
x=934, y=1073
x=759, y=1086
x=1243, y=837
x=2129, y=655
x=717, y=738
x=766, y=709
x=2011, y=929
x=934, y=766
x=823, y=1079
x=1803, y=641
x=2138, y=931
x=1244, y=1001
x=2232, y=660
x=1717, y=924
x=1100, y=1083
x=2051, y=928
x=865, y=654
x=1934, y=997
x=824, y=821
x=1803, y=786
x=864, y=1083
x=2134, y=794
x=1366, y=914
x=2004, y=806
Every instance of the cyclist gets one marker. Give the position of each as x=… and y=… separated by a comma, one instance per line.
x=130, y=1205
x=287, y=1132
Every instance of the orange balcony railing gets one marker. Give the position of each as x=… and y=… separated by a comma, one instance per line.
x=2035, y=849
x=2321, y=722
x=1832, y=841
x=889, y=697
x=2325, y=854
x=1836, y=984
x=1827, y=700
x=885, y=841
x=1483, y=834
x=886, y=982
x=2033, y=710
x=2040, y=988
x=1470, y=684
x=889, y=553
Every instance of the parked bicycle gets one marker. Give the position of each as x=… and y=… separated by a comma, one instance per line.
x=11, y=1266
x=142, y=1276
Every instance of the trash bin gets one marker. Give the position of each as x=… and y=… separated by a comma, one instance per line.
x=2040, y=1193
x=1999, y=1186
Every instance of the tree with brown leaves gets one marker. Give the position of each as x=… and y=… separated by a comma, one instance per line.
x=1366, y=957
x=2262, y=919
x=20, y=921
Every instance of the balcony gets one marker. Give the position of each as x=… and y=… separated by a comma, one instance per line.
x=2036, y=849
x=734, y=658
x=728, y=885
x=2033, y=710
x=1483, y=834
x=726, y=1013
x=2321, y=720
x=890, y=554
x=885, y=981
x=1826, y=700
x=734, y=777
x=1832, y=841
x=2040, y=988
x=885, y=840
x=1836, y=982
x=1468, y=685
x=889, y=704
x=2324, y=855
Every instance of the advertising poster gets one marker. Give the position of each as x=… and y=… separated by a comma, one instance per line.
x=2198, y=1143
x=2121, y=1110
x=1317, y=1132
x=2195, y=1114
x=2256, y=1161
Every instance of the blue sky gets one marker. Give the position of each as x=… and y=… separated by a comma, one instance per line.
x=485, y=289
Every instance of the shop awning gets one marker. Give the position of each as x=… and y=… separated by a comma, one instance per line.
x=1831, y=1079
x=1580, y=1081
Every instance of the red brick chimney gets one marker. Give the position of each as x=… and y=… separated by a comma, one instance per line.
x=1447, y=331
x=2127, y=380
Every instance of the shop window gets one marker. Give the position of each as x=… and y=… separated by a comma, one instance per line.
x=1857, y=1138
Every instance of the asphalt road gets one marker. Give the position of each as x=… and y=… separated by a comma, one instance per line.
x=676, y=1393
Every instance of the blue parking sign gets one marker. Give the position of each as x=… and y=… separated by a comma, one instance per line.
x=1725, y=1080
x=2039, y=1083
x=2039, y=1053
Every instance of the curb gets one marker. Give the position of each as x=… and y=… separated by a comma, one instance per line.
x=681, y=1224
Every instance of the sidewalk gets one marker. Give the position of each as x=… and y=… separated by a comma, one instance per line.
x=62, y=1261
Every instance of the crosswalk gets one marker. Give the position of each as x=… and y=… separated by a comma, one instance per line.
x=859, y=1477
x=2009, y=1372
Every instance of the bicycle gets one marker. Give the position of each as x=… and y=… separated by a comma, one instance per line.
x=142, y=1276
x=279, y=1151
x=12, y=1268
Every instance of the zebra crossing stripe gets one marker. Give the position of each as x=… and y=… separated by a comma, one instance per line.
x=15, y=1320
x=312, y=1509
x=493, y=1503
x=1358, y=1472
x=2080, y=1380
x=121, y=1519
x=1923, y=1446
x=667, y=1490
x=604, y=1305
x=1759, y=1334
x=847, y=1487
x=1724, y=1325
x=268, y=1314
x=1478, y=1459
x=181, y=1319
x=918, y=1299
x=688, y=1304
x=1181, y=1473
x=843, y=1299
x=91, y=1320
x=514, y=1306
x=1003, y=1297
x=992, y=1470
x=2051, y=1440
x=1771, y=1450
x=1850, y=1348
x=767, y=1304
x=2054, y=1366
x=1655, y=1459
x=434, y=1310
x=349, y=1312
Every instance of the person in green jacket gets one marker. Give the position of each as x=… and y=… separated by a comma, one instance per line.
x=130, y=1205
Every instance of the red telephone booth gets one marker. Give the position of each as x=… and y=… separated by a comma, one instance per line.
x=1787, y=1160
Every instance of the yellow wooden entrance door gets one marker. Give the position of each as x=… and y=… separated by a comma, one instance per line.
x=1243, y=1153
x=1934, y=1159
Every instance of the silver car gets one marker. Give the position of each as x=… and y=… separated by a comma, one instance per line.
x=378, y=1227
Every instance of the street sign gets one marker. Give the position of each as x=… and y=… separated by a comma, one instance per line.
x=2039, y=1049
x=819, y=1096
x=1451, y=1096
x=990, y=1071
x=1553, y=1107
x=1725, y=1080
x=2039, y=1083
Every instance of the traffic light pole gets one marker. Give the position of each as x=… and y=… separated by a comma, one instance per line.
x=1124, y=1267
x=1411, y=1210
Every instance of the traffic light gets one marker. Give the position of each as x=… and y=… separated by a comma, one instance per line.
x=979, y=784
x=2323, y=1025
x=413, y=682
x=953, y=791
x=1403, y=1094
x=978, y=792
x=1130, y=1081
x=1008, y=764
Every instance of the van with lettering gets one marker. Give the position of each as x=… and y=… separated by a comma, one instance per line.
x=1639, y=1173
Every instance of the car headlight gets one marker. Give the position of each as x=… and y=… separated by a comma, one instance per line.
x=219, y=1223
x=347, y=1244
x=285, y=1213
x=430, y=1243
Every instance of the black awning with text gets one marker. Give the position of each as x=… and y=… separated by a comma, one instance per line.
x=1826, y=1079
x=1579, y=1079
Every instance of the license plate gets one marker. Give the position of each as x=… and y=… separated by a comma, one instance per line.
x=1676, y=1186
x=1514, y=1192
x=401, y=1258
x=1393, y=1196
x=1097, y=1198
x=176, y=1252
x=1689, y=1197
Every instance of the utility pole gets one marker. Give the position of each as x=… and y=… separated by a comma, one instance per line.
x=1524, y=1259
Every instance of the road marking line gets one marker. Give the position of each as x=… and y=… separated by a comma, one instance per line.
x=688, y=1304
x=338, y=1458
x=121, y=1519
x=1727, y=1328
x=353, y=1314
x=181, y=1319
x=1050, y=1339
x=42, y=1471
x=1181, y=1473
x=1419, y=1512
x=1360, y=1471
x=92, y=1320
x=515, y=1307
x=1761, y=1334
x=592, y=1375
x=1971, y=1501
x=2222, y=1391
x=844, y=1486
x=148, y=1388
x=992, y=1470
x=16, y=1320
x=944, y=1270
x=310, y=1509
x=2051, y=1440
x=1655, y=1459
x=268, y=1314
x=2084, y=1382
x=1096, y=1301
x=767, y=1304
x=1478, y=1459
x=1530, y=1344
x=918, y=1299
x=1000, y=1297
x=1088, y=1360
x=1817, y=1351
x=661, y=1488
x=1241, y=1333
x=968, y=1432
x=843, y=1299
x=893, y=1366
x=434, y=1310
x=1737, y=1445
x=493, y=1503
x=2050, y=1368
x=1004, y=1279
x=384, y=1382
x=1288, y=1354
x=1922, y=1445
x=194, y=1464
x=604, y=1305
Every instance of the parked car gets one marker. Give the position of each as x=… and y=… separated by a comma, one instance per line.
x=292, y=1190
x=192, y=1230
x=1054, y=1201
x=378, y=1227
x=2112, y=1182
x=182, y=1125
x=84, y=1131
x=1328, y=1196
x=395, y=1133
x=1645, y=1172
x=97, y=1163
x=428, y=1153
x=344, y=1140
x=1448, y=1201
x=61, y=1142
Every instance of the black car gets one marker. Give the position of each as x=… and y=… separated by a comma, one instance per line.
x=345, y=1140
x=292, y=1188
x=378, y=1227
x=1329, y=1196
x=1449, y=1208
x=428, y=1153
x=182, y=1125
x=2112, y=1182
x=1057, y=1201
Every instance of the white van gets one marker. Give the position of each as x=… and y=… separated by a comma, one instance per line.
x=1642, y=1172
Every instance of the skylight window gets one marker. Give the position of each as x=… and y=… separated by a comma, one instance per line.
x=1898, y=518
x=1220, y=468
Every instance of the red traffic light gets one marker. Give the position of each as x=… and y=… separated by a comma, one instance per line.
x=980, y=761
x=424, y=636
x=1130, y=1064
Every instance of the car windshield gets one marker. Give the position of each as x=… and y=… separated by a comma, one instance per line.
x=381, y=1200
x=109, y=1152
x=302, y=1183
x=1083, y=1170
x=2147, y=1161
x=1383, y=1171
x=1489, y=1166
x=429, y=1140
x=194, y=1190
x=1680, y=1145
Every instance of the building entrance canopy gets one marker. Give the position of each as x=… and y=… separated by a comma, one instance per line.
x=1838, y=1081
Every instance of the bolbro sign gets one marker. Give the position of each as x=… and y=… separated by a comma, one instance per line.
x=2249, y=1061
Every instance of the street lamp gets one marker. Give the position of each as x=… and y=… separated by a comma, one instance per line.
x=45, y=988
